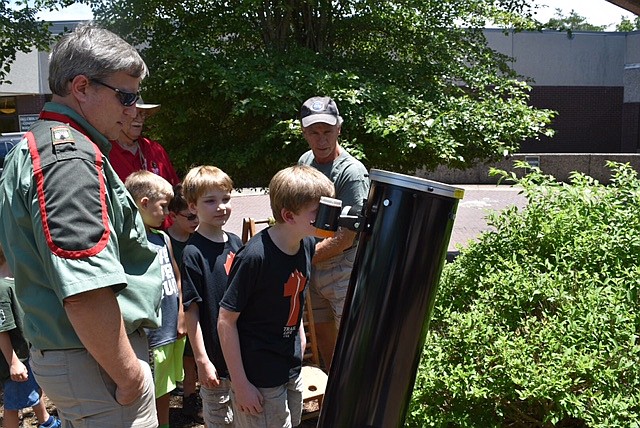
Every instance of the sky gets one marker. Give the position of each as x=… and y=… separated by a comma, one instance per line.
x=75, y=12
x=597, y=12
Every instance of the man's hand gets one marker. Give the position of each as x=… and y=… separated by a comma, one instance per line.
x=95, y=316
x=133, y=389
x=331, y=247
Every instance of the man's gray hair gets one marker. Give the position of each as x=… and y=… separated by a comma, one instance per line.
x=94, y=52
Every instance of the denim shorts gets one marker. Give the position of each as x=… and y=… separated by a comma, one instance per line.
x=20, y=395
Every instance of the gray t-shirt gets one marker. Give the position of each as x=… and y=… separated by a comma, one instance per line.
x=349, y=176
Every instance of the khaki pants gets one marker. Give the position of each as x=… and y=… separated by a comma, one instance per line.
x=329, y=286
x=85, y=395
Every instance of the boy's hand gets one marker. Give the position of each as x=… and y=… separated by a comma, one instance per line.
x=182, y=325
x=208, y=375
x=248, y=398
x=18, y=372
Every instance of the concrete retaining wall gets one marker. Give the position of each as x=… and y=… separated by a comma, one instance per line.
x=559, y=165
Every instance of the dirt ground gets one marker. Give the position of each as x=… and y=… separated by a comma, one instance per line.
x=176, y=418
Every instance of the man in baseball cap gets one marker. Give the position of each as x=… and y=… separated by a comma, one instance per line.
x=320, y=109
x=333, y=261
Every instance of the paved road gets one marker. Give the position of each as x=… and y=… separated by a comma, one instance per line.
x=470, y=220
x=473, y=208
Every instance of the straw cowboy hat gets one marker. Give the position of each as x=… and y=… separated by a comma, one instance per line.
x=149, y=108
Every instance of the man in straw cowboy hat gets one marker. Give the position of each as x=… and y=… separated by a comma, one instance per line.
x=132, y=152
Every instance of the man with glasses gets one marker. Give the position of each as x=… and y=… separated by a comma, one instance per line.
x=86, y=279
x=132, y=152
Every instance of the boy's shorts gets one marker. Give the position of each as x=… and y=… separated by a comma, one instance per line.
x=329, y=285
x=216, y=404
x=281, y=407
x=20, y=395
x=167, y=366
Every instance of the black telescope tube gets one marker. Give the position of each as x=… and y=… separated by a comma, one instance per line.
x=401, y=252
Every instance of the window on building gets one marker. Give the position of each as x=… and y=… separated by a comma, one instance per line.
x=8, y=114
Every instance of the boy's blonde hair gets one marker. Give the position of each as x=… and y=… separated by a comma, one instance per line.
x=296, y=187
x=147, y=184
x=200, y=179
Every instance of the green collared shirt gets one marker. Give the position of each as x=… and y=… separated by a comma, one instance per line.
x=68, y=226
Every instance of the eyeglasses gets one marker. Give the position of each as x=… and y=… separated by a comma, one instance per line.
x=127, y=99
x=189, y=217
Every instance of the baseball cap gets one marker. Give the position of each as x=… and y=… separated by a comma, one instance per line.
x=319, y=110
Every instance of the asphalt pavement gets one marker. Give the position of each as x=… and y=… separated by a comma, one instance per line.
x=470, y=220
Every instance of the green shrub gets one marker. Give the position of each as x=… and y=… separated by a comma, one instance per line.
x=536, y=323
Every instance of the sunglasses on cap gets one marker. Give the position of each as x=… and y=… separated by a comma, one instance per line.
x=127, y=99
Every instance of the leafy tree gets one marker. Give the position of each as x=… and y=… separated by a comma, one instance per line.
x=571, y=22
x=21, y=31
x=536, y=324
x=414, y=80
x=626, y=25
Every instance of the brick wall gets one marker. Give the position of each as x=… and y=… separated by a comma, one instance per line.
x=630, y=128
x=560, y=165
x=589, y=120
x=30, y=104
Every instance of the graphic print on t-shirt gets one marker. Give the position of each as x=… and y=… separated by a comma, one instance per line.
x=293, y=288
x=169, y=284
x=227, y=264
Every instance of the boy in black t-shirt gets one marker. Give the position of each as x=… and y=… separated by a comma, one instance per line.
x=260, y=314
x=183, y=222
x=206, y=260
x=183, y=225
